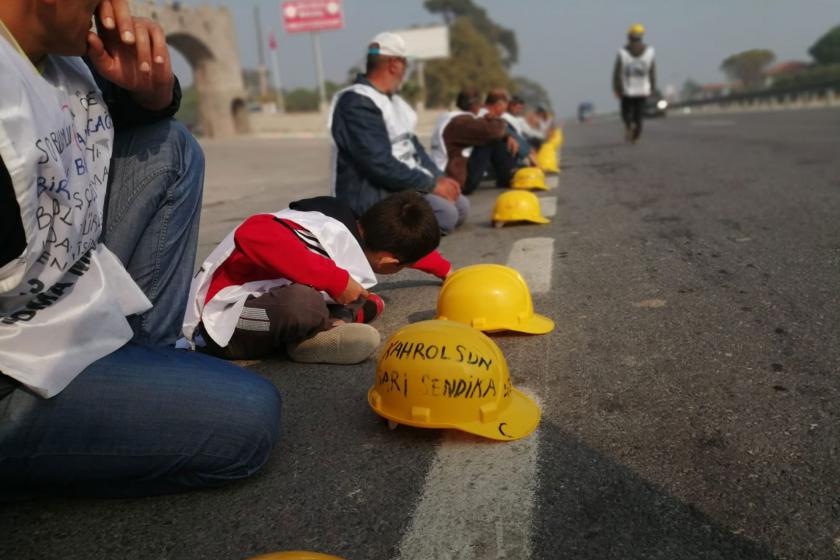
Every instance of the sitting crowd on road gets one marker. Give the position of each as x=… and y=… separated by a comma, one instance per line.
x=98, y=301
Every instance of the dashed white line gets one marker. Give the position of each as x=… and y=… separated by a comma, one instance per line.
x=548, y=205
x=478, y=498
x=533, y=258
x=477, y=501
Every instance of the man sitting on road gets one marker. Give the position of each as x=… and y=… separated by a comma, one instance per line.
x=516, y=117
x=497, y=157
x=266, y=287
x=100, y=196
x=457, y=132
x=525, y=154
x=376, y=151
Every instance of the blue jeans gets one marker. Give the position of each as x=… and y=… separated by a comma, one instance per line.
x=147, y=419
x=449, y=215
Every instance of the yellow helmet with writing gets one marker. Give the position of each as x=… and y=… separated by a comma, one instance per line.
x=518, y=206
x=443, y=374
x=490, y=297
x=529, y=178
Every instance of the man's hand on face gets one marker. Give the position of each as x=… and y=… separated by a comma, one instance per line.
x=447, y=188
x=131, y=53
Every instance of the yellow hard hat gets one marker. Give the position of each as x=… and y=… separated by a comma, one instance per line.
x=294, y=555
x=636, y=29
x=556, y=137
x=442, y=374
x=490, y=297
x=547, y=158
x=529, y=178
x=518, y=206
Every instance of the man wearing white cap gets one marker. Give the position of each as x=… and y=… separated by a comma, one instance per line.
x=376, y=151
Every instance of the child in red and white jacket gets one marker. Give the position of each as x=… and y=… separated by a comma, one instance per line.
x=298, y=279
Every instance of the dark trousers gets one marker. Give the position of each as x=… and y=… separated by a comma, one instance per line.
x=493, y=156
x=631, y=113
x=283, y=315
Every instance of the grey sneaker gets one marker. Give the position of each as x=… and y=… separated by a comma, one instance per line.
x=349, y=343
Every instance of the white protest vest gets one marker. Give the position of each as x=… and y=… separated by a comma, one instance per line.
x=400, y=122
x=438, y=146
x=220, y=315
x=635, y=72
x=513, y=121
x=64, y=299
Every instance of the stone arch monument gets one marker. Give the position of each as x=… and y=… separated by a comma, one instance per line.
x=206, y=37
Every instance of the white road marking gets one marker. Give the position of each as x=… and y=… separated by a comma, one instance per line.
x=650, y=303
x=477, y=501
x=552, y=181
x=713, y=122
x=548, y=204
x=478, y=498
x=533, y=258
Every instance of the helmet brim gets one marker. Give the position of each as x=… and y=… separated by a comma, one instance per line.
x=536, y=324
x=518, y=420
x=539, y=220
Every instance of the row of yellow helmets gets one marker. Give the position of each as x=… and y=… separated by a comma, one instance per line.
x=519, y=204
x=446, y=373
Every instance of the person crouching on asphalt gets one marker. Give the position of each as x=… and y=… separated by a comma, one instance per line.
x=532, y=134
x=499, y=157
x=375, y=148
x=297, y=280
x=456, y=134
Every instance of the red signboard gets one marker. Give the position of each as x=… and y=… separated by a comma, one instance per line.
x=312, y=15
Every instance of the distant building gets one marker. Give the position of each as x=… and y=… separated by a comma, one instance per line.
x=783, y=69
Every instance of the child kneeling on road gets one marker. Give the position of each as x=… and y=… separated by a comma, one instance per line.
x=297, y=279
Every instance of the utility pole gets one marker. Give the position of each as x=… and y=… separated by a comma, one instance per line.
x=319, y=68
x=275, y=66
x=261, y=70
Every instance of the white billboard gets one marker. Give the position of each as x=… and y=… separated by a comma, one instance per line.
x=426, y=43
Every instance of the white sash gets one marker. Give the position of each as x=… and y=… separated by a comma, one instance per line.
x=438, y=146
x=64, y=299
x=635, y=72
x=400, y=122
x=220, y=315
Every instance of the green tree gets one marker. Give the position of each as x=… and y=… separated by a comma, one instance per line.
x=531, y=92
x=827, y=48
x=503, y=37
x=748, y=66
x=475, y=62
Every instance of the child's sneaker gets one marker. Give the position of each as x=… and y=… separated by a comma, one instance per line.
x=348, y=343
x=370, y=309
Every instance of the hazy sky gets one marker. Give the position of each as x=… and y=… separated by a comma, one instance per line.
x=568, y=46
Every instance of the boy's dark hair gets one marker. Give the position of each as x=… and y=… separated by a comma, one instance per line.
x=402, y=224
x=496, y=95
x=467, y=99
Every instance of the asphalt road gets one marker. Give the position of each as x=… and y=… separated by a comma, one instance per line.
x=690, y=392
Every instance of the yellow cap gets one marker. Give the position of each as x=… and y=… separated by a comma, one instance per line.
x=636, y=30
x=518, y=206
x=442, y=374
x=529, y=178
x=490, y=297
